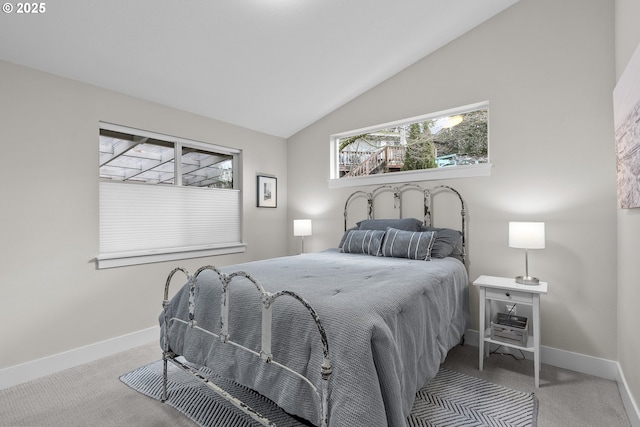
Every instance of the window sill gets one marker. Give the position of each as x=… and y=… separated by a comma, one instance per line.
x=124, y=259
x=468, y=171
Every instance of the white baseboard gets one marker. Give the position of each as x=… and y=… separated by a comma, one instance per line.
x=630, y=405
x=584, y=364
x=28, y=371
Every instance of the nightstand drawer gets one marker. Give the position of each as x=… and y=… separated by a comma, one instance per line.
x=508, y=295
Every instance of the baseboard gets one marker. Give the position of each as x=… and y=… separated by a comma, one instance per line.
x=584, y=364
x=630, y=405
x=28, y=371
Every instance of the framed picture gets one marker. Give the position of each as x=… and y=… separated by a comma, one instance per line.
x=626, y=116
x=267, y=191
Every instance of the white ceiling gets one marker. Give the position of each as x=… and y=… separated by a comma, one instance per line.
x=275, y=66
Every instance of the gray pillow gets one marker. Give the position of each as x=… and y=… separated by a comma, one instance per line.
x=448, y=242
x=408, y=244
x=344, y=236
x=363, y=242
x=409, y=224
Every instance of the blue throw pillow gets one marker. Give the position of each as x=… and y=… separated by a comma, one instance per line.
x=344, y=236
x=362, y=242
x=448, y=242
x=408, y=244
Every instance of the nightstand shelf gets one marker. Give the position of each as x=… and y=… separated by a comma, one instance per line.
x=506, y=290
x=529, y=346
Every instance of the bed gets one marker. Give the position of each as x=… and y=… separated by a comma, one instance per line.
x=368, y=325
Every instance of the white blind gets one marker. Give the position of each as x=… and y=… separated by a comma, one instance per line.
x=139, y=219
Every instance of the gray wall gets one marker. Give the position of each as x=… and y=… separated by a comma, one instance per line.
x=547, y=68
x=53, y=298
x=627, y=41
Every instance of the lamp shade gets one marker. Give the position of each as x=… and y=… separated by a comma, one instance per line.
x=302, y=227
x=526, y=235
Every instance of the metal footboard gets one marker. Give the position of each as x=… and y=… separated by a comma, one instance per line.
x=264, y=354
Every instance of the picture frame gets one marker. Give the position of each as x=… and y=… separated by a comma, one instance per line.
x=267, y=187
x=626, y=117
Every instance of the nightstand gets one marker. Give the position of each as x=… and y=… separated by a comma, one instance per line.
x=506, y=290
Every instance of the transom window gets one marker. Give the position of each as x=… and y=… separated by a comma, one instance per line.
x=452, y=139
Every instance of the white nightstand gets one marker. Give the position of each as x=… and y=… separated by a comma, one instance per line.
x=507, y=290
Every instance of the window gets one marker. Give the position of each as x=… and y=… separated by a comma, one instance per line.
x=165, y=198
x=447, y=144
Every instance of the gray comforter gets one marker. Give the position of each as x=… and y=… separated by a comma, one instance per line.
x=389, y=321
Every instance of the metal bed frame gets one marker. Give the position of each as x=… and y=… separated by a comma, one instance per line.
x=268, y=298
x=264, y=354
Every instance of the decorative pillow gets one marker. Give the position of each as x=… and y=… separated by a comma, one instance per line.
x=409, y=224
x=344, y=236
x=448, y=242
x=363, y=242
x=408, y=244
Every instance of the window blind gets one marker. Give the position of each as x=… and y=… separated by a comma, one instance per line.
x=138, y=222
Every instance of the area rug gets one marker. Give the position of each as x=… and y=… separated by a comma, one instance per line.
x=455, y=399
x=450, y=399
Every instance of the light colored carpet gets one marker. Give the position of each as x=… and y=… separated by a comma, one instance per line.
x=93, y=395
x=89, y=395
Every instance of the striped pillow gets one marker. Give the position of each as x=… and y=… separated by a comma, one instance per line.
x=408, y=244
x=363, y=242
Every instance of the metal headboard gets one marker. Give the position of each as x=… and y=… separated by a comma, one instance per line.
x=397, y=204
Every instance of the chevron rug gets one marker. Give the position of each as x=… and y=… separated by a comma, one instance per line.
x=455, y=399
x=450, y=399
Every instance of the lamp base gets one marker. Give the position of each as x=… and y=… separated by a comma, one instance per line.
x=527, y=280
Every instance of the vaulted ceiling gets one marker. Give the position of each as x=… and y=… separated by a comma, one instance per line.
x=274, y=66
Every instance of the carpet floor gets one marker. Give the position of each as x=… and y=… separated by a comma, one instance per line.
x=92, y=394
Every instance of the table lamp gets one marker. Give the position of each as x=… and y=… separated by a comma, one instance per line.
x=302, y=227
x=526, y=235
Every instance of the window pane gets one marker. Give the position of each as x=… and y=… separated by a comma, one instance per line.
x=126, y=157
x=445, y=141
x=205, y=169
